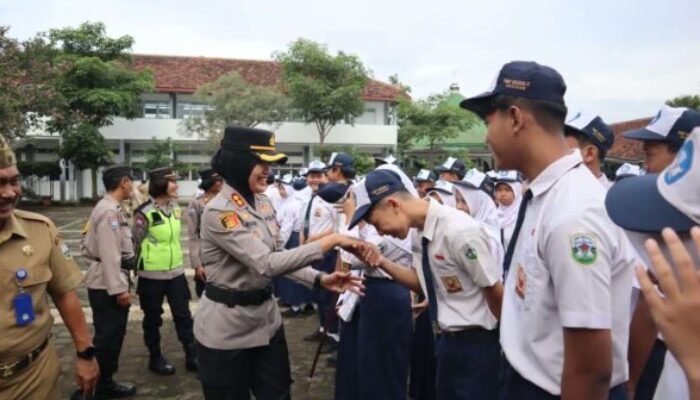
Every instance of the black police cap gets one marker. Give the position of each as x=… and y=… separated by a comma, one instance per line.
x=258, y=142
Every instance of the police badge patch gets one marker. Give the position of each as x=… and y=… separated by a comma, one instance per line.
x=584, y=249
x=229, y=220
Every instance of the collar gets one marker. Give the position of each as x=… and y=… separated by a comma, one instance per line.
x=13, y=226
x=431, y=218
x=111, y=200
x=547, y=178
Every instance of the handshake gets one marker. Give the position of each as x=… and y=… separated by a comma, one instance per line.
x=366, y=252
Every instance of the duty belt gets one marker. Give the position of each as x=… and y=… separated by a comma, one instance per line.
x=232, y=298
x=7, y=370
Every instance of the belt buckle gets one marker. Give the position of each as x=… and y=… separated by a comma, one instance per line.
x=8, y=370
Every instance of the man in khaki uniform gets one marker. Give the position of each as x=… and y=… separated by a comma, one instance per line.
x=35, y=261
x=108, y=248
x=211, y=185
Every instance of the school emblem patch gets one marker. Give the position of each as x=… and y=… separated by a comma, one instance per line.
x=520, y=281
x=471, y=253
x=229, y=220
x=584, y=249
x=452, y=284
x=317, y=213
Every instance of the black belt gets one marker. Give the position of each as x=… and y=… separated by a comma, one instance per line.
x=377, y=279
x=7, y=370
x=479, y=335
x=232, y=298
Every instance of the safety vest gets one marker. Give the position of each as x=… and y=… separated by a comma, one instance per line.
x=160, y=250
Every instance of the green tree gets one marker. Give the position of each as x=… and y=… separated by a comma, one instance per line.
x=96, y=83
x=233, y=100
x=363, y=161
x=26, y=93
x=161, y=154
x=689, y=101
x=324, y=89
x=433, y=120
x=86, y=148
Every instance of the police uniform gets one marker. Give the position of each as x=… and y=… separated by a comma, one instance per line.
x=35, y=258
x=194, y=215
x=108, y=248
x=156, y=234
x=566, y=242
x=241, y=344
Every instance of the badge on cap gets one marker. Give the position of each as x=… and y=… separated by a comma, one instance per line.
x=681, y=165
x=28, y=250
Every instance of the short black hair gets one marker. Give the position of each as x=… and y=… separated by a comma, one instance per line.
x=550, y=116
x=347, y=172
x=158, y=187
x=585, y=140
x=208, y=183
x=112, y=181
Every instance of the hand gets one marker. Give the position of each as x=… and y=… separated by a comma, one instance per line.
x=418, y=308
x=369, y=254
x=341, y=281
x=678, y=314
x=124, y=299
x=199, y=274
x=348, y=243
x=86, y=374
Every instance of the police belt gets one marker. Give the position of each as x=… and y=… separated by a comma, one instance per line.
x=473, y=335
x=7, y=370
x=232, y=298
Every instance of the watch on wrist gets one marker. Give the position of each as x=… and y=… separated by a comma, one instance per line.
x=87, y=354
x=317, y=281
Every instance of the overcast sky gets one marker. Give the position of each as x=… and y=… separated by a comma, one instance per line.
x=620, y=59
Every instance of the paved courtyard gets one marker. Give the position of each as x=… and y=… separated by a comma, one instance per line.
x=134, y=358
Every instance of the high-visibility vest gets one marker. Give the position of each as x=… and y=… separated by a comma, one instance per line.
x=160, y=250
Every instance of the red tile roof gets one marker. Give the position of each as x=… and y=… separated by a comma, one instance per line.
x=185, y=74
x=626, y=149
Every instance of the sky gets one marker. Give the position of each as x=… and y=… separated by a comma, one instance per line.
x=620, y=59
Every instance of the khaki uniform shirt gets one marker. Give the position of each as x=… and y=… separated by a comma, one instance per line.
x=240, y=251
x=194, y=217
x=107, y=240
x=30, y=241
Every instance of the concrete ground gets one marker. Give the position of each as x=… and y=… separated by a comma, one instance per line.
x=134, y=358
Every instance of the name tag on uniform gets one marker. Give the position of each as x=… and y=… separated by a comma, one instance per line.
x=24, y=310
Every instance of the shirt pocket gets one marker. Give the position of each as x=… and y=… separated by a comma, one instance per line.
x=38, y=277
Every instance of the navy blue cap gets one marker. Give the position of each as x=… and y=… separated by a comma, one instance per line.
x=299, y=183
x=332, y=192
x=453, y=165
x=426, y=175
x=377, y=185
x=340, y=160
x=592, y=127
x=525, y=79
x=672, y=124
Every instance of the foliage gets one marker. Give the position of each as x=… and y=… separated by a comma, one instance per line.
x=432, y=119
x=160, y=154
x=234, y=101
x=51, y=169
x=324, y=89
x=363, y=161
x=690, y=101
x=85, y=147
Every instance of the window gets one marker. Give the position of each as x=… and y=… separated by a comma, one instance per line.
x=186, y=110
x=368, y=118
x=156, y=109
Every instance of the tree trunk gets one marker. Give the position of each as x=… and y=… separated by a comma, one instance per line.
x=93, y=178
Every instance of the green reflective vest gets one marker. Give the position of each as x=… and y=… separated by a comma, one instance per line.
x=160, y=250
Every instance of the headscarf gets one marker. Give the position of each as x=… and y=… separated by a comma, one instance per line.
x=481, y=206
x=509, y=214
x=235, y=167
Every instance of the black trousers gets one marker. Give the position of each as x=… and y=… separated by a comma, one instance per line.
x=151, y=293
x=234, y=374
x=109, y=320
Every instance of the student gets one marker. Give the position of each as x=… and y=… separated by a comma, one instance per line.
x=453, y=266
x=593, y=137
x=508, y=196
x=565, y=317
x=425, y=179
x=452, y=170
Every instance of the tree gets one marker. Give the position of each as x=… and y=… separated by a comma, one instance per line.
x=233, y=100
x=95, y=83
x=432, y=119
x=87, y=149
x=160, y=154
x=363, y=161
x=324, y=89
x=689, y=101
x=26, y=93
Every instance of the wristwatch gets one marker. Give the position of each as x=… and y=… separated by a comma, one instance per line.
x=87, y=354
x=317, y=280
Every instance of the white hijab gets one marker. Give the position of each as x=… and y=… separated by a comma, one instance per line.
x=447, y=199
x=481, y=206
x=509, y=214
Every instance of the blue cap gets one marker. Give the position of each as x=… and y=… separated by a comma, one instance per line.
x=332, y=192
x=452, y=165
x=426, y=175
x=525, y=79
x=340, y=160
x=299, y=183
x=592, y=127
x=316, y=166
x=377, y=185
x=672, y=124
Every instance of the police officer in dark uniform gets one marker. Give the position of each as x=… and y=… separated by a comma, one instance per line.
x=157, y=226
x=108, y=248
x=241, y=343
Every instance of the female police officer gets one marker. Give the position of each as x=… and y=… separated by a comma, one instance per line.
x=238, y=327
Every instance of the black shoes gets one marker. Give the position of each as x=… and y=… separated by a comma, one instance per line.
x=315, y=337
x=191, y=363
x=107, y=389
x=160, y=365
x=329, y=346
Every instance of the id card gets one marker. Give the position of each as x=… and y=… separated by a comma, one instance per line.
x=24, y=310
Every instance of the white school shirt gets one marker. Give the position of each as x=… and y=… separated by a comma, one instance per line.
x=571, y=269
x=462, y=264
